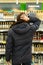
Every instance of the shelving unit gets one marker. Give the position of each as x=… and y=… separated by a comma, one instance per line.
x=37, y=46
x=4, y=27
x=7, y=19
x=19, y=1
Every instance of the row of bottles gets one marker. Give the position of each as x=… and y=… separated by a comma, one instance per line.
x=19, y=1
x=3, y=36
x=3, y=60
x=2, y=49
x=5, y=25
x=8, y=18
x=37, y=48
x=38, y=36
x=37, y=59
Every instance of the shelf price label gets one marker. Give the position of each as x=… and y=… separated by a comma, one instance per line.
x=1, y=16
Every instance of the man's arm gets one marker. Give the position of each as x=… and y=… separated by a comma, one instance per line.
x=36, y=22
x=8, y=47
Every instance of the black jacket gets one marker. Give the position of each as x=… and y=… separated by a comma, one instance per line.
x=19, y=41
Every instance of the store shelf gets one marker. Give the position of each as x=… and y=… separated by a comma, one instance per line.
x=37, y=53
x=7, y=1
x=40, y=30
x=40, y=27
x=37, y=41
x=4, y=30
x=2, y=53
x=19, y=1
x=2, y=42
x=32, y=53
x=6, y=20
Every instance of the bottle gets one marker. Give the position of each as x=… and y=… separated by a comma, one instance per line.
x=32, y=48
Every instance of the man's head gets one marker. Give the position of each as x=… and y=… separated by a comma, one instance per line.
x=22, y=17
x=19, y=16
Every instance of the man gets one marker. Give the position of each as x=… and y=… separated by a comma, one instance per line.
x=19, y=41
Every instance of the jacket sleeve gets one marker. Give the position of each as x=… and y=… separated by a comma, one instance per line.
x=36, y=22
x=8, y=46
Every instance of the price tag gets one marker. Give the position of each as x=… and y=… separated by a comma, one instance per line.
x=1, y=15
